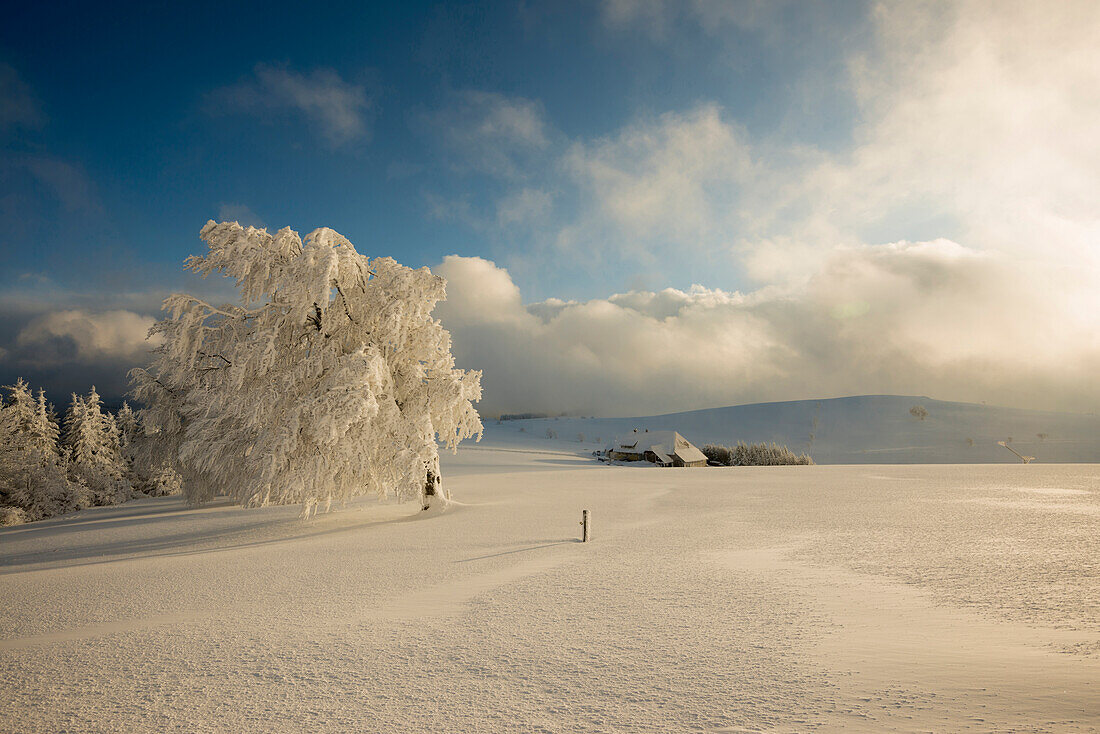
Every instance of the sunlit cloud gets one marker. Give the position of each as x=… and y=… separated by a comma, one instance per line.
x=907, y=318
x=949, y=250
x=675, y=181
x=67, y=349
x=76, y=334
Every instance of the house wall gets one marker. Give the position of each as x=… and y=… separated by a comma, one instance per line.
x=677, y=461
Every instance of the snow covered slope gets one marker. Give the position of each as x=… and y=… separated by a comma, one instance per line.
x=868, y=429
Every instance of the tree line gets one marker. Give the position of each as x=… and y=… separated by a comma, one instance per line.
x=50, y=466
x=754, y=454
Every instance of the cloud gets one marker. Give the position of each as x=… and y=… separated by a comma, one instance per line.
x=524, y=208
x=971, y=125
x=337, y=109
x=910, y=318
x=491, y=133
x=973, y=153
x=241, y=214
x=674, y=180
x=85, y=336
x=660, y=18
x=65, y=338
x=72, y=349
x=69, y=184
x=18, y=107
x=619, y=13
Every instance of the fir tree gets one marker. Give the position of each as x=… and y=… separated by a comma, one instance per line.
x=93, y=439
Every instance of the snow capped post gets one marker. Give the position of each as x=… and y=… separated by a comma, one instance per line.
x=327, y=380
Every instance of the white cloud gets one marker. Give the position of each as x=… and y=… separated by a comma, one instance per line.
x=338, y=109
x=910, y=318
x=676, y=180
x=86, y=336
x=479, y=292
x=973, y=123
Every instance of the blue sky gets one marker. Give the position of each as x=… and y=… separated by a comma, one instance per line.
x=143, y=109
x=736, y=201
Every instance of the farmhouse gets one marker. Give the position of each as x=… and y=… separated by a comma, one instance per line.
x=663, y=448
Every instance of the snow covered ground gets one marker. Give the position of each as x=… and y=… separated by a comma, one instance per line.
x=873, y=598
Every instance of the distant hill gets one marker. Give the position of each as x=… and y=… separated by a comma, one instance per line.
x=866, y=429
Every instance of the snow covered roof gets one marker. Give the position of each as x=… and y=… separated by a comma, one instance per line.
x=690, y=454
x=661, y=458
x=662, y=443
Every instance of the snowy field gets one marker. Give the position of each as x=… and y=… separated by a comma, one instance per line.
x=862, y=598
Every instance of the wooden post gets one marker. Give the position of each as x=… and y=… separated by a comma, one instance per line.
x=584, y=526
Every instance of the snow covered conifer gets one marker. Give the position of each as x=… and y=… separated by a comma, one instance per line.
x=93, y=440
x=20, y=413
x=137, y=453
x=329, y=378
x=128, y=426
x=45, y=433
x=32, y=471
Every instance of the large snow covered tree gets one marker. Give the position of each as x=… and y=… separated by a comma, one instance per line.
x=328, y=379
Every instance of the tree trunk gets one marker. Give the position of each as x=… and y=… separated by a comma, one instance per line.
x=433, y=487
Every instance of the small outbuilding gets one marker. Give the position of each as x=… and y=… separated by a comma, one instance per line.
x=663, y=448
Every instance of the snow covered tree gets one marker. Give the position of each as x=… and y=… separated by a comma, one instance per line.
x=164, y=481
x=329, y=378
x=32, y=471
x=96, y=454
x=129, y=427
x=138, y=452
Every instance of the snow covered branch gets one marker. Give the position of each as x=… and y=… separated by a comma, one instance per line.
x=251, y=406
